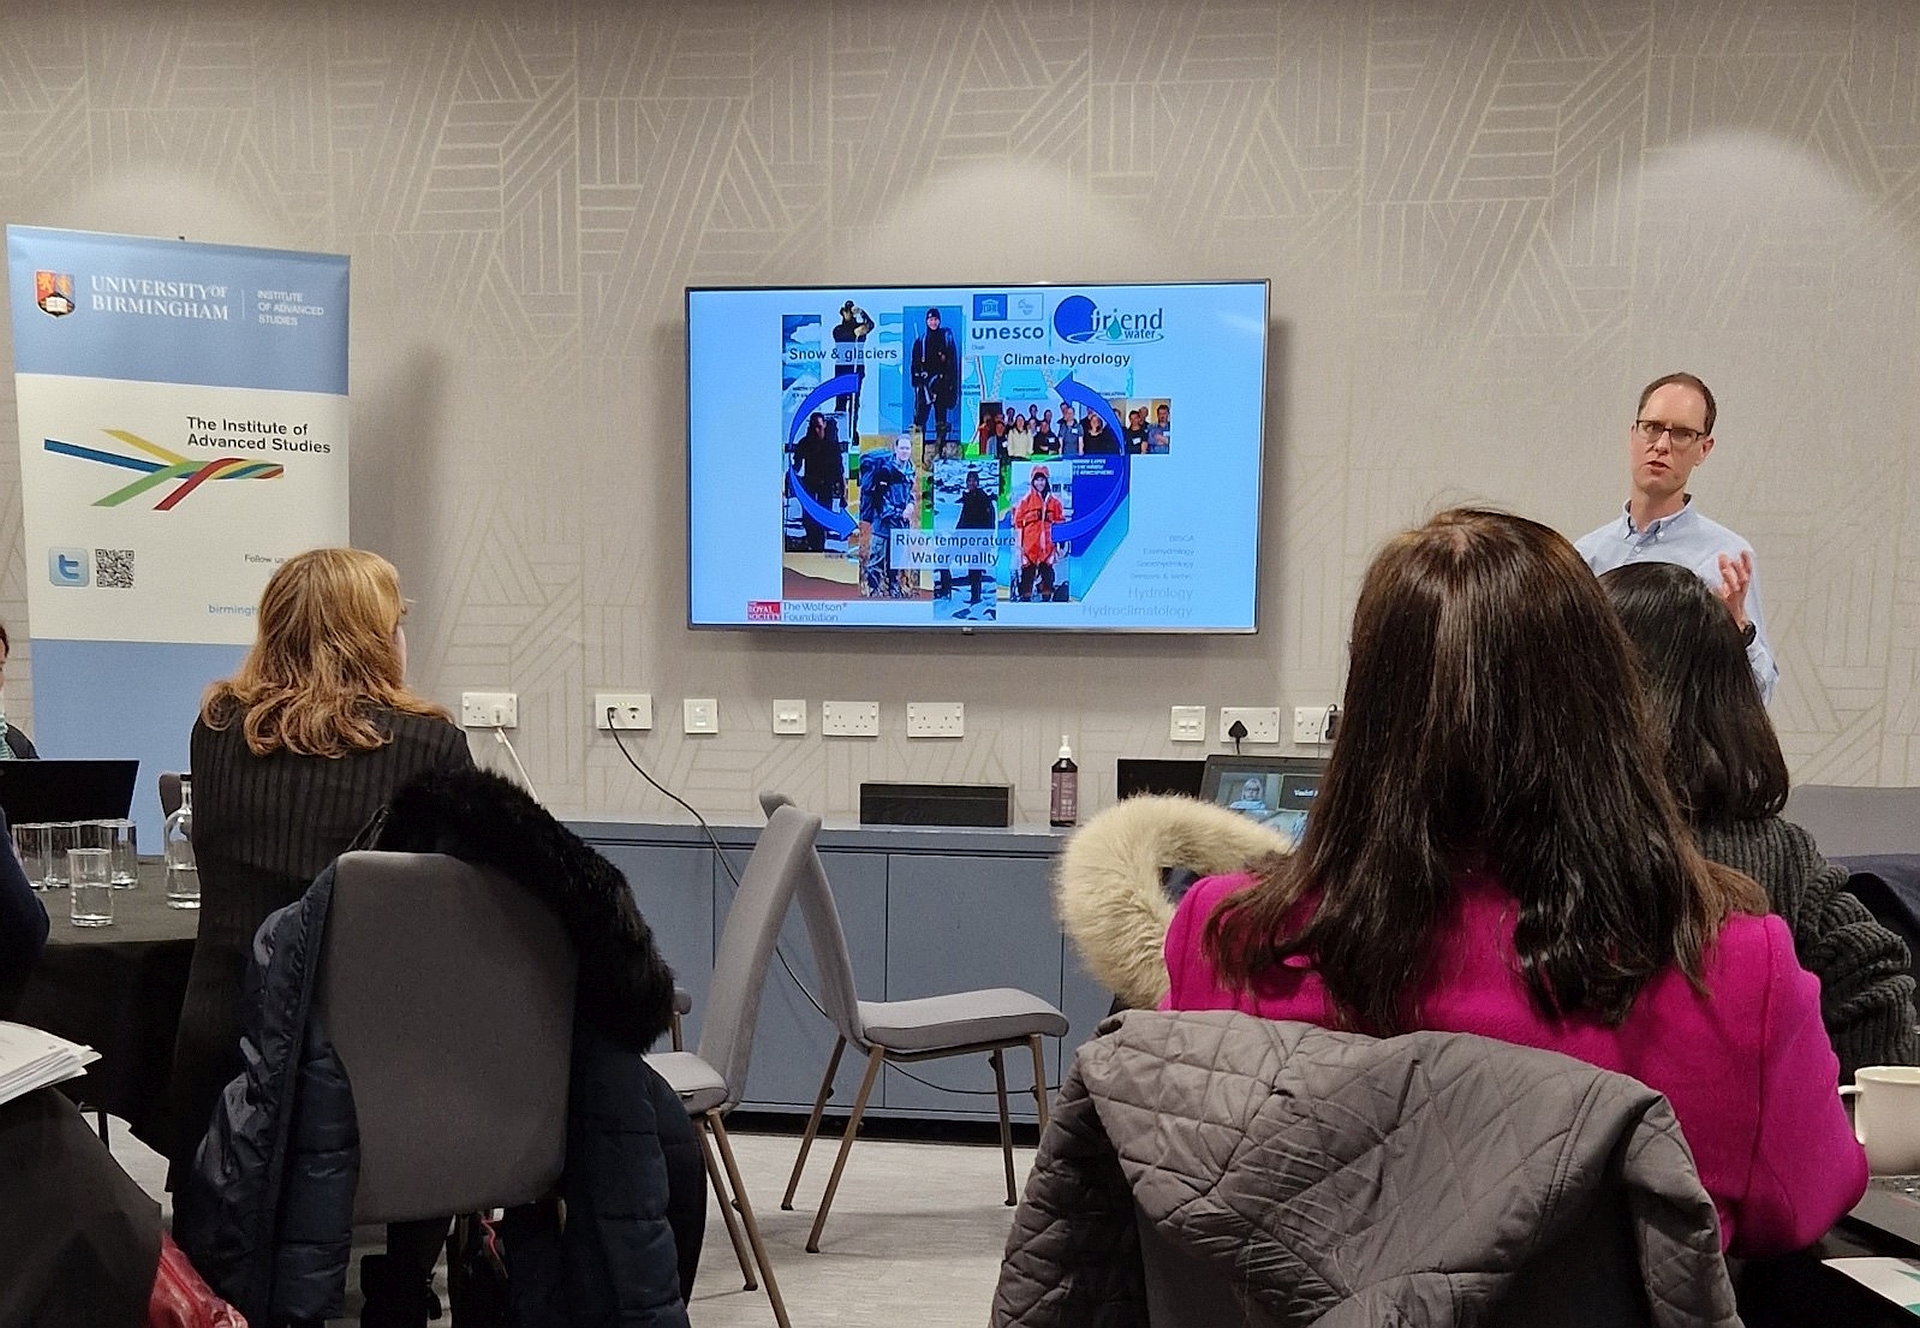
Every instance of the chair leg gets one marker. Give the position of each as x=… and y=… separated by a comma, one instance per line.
x=1039, y=1078
x=746, y=1219
x=874, y=1059
x=673, y=1031
x=813, y=1123
x=1006, y=1124
x=726, y=1206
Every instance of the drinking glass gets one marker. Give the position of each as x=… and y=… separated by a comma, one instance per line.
x=61, y=836
x=30, y=841
x=121, y=842
x=91, y=871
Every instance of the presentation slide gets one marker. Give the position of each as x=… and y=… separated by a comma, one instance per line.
x=992, y=457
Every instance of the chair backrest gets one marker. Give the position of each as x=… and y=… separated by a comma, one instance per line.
x=773, y=873
x=832, y=960
x=169, y=792
x=447, y=992
x=1852, y=822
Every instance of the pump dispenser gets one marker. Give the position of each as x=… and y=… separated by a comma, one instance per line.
x=1063, y=802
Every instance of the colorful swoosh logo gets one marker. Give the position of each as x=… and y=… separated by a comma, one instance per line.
x=164, y=469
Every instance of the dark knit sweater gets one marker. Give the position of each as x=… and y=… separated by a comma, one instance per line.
x=1866, y=993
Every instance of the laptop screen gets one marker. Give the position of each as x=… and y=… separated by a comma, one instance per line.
x=1277, y=791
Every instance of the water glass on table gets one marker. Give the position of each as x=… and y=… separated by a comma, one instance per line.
x=91, y=870
x=30, y=841
x=122, y=844
x=61, y=836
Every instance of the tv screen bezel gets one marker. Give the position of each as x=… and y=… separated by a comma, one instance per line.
x=967, y=628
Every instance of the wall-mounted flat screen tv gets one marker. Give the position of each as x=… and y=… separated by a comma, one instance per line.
x=976, y=458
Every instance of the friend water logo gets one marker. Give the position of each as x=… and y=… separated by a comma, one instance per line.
x=1078, y=321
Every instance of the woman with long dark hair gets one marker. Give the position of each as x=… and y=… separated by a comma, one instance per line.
x=1726, y=770
x=1494, y=850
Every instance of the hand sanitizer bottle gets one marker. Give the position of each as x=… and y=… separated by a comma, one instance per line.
x=1063, y=801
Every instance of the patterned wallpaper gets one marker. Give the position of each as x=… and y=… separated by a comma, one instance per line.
x=1486, y=225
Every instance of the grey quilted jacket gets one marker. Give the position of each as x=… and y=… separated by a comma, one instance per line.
x=1335, y=1179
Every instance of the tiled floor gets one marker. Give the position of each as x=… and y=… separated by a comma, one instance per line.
x=914, y=1239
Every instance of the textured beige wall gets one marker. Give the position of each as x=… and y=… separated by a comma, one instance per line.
x=1486, y=224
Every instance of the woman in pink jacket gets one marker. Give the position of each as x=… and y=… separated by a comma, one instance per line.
x=1494, y=851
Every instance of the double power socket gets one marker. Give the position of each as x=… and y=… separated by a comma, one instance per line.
x=1188, y=723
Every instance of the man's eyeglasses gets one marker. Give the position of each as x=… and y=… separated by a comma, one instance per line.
x=1649, y=430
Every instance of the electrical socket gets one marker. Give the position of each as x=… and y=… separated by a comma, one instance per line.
x=936, y=719
x=1189, y=724
x=790, y=716
x=1309, y=725
x=490, y=710
x=631, y=710
x=1263, y=722
x=850, y=719
x=700, y=715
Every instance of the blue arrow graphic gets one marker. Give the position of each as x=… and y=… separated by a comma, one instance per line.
x=1085, y=527
x=839, y=522
x=843, y=385
x=1079, y=394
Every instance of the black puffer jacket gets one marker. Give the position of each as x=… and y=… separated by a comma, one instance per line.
x=266, y=1214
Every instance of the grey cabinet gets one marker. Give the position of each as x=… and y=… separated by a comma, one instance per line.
x=925, y=911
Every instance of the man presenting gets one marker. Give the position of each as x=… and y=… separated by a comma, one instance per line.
x=1672, y=433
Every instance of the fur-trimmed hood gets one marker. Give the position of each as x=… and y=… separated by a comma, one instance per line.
x=626, y=988
x=1108, y=891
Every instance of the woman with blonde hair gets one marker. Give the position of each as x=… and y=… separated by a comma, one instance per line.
x=291, y=756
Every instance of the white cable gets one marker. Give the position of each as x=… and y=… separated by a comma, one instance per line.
x=507, y=742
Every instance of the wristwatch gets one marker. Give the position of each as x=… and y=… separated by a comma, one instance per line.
x=1747, y=633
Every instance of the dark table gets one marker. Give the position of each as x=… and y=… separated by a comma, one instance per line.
x=118, y=989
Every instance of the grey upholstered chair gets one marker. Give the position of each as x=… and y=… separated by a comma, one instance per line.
x=710, y=1081
x=930, y=1028
x=447, y=990
x=682, y=1007
x=1857, y=822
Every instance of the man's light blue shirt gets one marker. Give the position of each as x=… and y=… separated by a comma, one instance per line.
x=1688, y=540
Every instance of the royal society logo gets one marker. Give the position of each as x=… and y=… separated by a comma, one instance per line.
x=53, y=292
x=165, y=468
x=1078, y=321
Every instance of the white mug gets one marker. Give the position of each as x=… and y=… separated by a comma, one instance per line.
x=1886, y=1119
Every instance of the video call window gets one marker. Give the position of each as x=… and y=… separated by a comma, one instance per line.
x=1275, y=796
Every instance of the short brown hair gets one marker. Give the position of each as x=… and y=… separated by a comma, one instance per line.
x=1685, y=380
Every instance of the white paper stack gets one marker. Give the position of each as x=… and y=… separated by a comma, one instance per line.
x=31, y=1058
x=1896, y=1279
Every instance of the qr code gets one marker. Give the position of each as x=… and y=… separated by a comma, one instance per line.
x=113, y=568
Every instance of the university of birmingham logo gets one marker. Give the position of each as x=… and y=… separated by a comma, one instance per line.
x=53, y=292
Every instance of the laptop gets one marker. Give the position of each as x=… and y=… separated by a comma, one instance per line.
x=1277, y=791
x=35, y=791
x=1148, y=776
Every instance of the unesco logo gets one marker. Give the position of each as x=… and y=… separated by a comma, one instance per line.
x=1078, y=321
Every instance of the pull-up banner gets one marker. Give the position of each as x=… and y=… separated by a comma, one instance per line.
x=183, y=429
